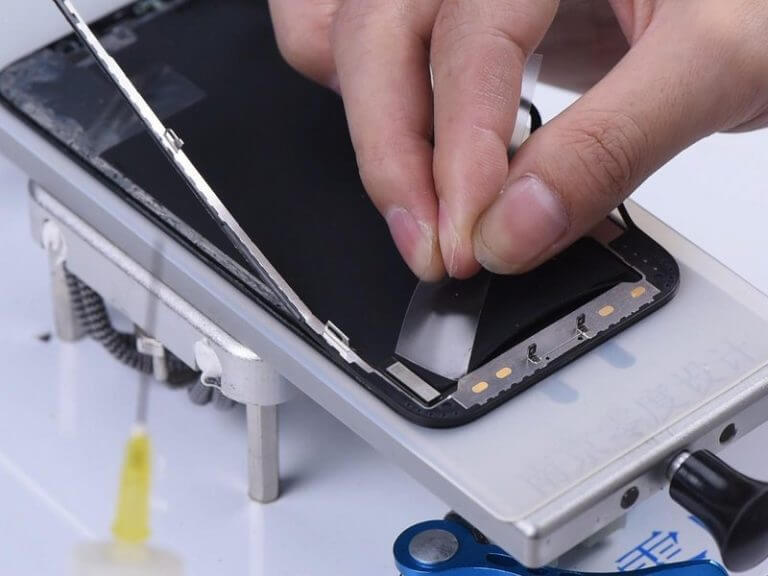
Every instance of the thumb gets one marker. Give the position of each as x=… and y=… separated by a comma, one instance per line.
x=665, y=94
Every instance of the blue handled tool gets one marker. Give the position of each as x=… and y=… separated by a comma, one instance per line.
x=449, y=548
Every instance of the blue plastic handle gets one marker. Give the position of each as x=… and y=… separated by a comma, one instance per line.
x=473, y=558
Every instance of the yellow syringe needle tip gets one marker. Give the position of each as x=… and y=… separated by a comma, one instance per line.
x=132, y=516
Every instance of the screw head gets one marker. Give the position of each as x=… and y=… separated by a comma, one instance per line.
x=728, y=433
x=433, y=546
x=630, y=497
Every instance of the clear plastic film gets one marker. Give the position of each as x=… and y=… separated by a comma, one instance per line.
x=439, y=329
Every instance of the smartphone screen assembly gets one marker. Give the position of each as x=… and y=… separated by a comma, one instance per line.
x=276, y=150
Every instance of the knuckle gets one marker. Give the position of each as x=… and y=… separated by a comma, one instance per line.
x=351, y=16
x=293, y=48
x=354, y=19
x=738, y=46
x=395, y=167
x=472, y=172
x=515, y=23
x=608, y=148
x=452, y=18
x=732, y=35
x=718, y=27
x=305, y=44
x=381, y=169
x=459, y=22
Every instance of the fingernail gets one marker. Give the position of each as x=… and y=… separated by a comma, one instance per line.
x=526, y=220
x=449, y=240
x=414, y=239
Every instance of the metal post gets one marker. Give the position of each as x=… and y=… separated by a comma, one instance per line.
x=263, y=453
x=243, y=377
x=66, y=323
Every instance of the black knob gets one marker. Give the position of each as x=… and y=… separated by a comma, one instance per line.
x=734, y=507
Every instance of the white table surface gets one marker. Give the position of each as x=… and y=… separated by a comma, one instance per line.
x=67, y=409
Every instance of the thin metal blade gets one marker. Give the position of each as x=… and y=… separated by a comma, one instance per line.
x=171, y=145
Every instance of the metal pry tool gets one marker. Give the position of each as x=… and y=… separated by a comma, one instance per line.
x=171, y=145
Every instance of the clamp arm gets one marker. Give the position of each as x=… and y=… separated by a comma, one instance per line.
x=450, y=548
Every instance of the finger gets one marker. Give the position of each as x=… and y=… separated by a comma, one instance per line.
x=583, y=44
x=479, y=50
x=302, y=31
x=382, y=62
x=664, y=95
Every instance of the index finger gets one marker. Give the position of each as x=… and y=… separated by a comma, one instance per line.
x=479, y=51
x=381, y=57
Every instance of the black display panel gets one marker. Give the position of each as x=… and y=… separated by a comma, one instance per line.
x=275, y=148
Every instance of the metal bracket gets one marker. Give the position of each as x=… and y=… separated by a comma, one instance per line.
x=66, y=323
x=262, y=415
x=239, y=373
x=154, y=348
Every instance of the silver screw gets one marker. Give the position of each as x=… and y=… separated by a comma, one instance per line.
x=433, y=546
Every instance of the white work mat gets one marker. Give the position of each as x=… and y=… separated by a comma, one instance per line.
x=64, y=419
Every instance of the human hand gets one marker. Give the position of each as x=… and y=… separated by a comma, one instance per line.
x=694, y=67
